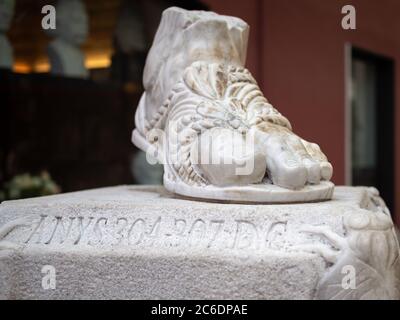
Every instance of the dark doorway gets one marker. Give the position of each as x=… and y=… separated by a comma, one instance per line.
x=372, y=114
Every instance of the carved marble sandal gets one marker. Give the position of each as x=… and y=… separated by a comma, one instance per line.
x=205, y=118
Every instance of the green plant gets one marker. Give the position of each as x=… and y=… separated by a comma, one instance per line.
x=28, y=186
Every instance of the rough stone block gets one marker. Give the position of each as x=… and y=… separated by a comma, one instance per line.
x=143, y=243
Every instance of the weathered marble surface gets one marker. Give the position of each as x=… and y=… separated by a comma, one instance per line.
x=203, y=117
x=143, y=243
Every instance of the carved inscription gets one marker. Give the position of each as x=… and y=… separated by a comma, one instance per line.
x=235, y=234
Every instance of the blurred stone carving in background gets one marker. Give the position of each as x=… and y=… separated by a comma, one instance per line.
x=144, y=172
x=65, y=55
x=6, y=52
x=129, y=43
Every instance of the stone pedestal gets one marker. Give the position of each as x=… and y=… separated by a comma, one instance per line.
x=143, y=243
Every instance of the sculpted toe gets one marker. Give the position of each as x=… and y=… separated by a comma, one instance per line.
x=291, y=175
x=313, y=171
x=326, y=170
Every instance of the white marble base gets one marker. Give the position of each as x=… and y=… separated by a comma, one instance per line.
x=143, y=243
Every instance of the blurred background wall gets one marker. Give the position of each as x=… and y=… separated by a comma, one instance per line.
x=297, y=52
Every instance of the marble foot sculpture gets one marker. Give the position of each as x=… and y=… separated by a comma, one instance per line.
x=204, y=117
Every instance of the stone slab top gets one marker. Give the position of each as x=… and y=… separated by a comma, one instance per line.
x=148, y=218
x=147, y=195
